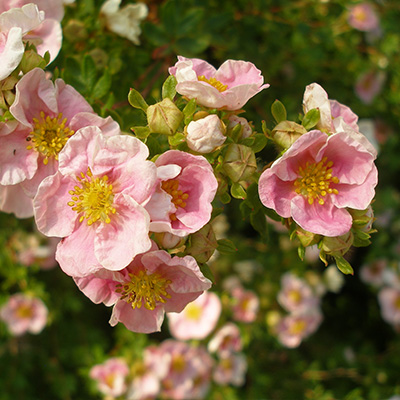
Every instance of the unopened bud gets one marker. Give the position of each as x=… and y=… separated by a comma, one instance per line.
x=337, y=246
x=240, y=162
x=168, y=240
x=286, y=133
x=363, y=219
x=164, y=117
x=202, y=244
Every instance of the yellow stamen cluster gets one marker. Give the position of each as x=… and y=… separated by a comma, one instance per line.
x=24, y=311
x=49, y=136
x=178, y=363
x=315, y=181
x=213, y=82
x=178, y=197
x=146, y=290
x=297, y=327
x=295, y=296
x=193, y=311
x=93, y=198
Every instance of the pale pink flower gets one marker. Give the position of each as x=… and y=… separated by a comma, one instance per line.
x=369, y=85
x=13, y=199
x=14, y=26
x=229, y=87
x=111, y=376
x=296, y=295
x=344, y=171
x=246, y=128
x=245, y=304
x=389, y=301
x=95, y=202
x=154, y=283
x=205, y=134
x=226, y=340
x=197, y=319
x=181, y=203
x=231, y=369
x=23, y=313
x=293, y=329
x=363, y=17
x=373, y=272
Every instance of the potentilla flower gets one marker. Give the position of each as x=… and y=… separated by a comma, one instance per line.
x=14, y=25
x=95, y=202
x=205, y=134
x=389, y=301
x=363, y=17
x=154, y=283
x=226, y=340
x=245, y=304
x=23, y=313
x=229, y=87
x=317, y=179
x=231, y=369
x=369, y=85
x=186, y=187
x=111, y=376
x=296, y=295
x=198, y=318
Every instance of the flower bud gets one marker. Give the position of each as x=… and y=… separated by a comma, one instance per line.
x=205, y=134
x=286, y=133
x=363, y=219
x=246, y=128
x=168, y=240
x=337, y=246
x=240, y=162
x=164, y=117
x=202, y=244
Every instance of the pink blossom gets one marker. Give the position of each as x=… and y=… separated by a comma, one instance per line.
x=345, y=172
x=198, y=318
x=389, y=301
x=296, y=295
x=245, y=304
x=95, y=202
x=231, y=369
x=181, y=203
x=363, y=17
x=14, y=26
x=23, y=314
x=294, y=328
x=369, y=85
x=226, y=340
x=229, y=87
x=205, y=134
x=373, y=272
x=111, y=376
x=154, y=283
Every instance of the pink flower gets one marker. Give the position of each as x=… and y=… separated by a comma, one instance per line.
x=95, y=202
x=231, y=369
x=110, y=376
x=293, y=329
x=23, y=314
x=229, y=87
x=369, y=85
x=374, y=272
x=317, y=179
x=181, y=203
x=14, y=25
x=245, y=306
x=154, y=283
x=205, y=134
x=389, y=300
x=363, y=17
x=226, y=340
x=198, y=318
x=295, y=295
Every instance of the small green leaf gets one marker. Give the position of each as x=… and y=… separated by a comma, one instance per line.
x=102, y=86
x=89, y=73
x=206, y=271
x=260, y=141
x=136, y=100
x=237, y=191
x=278, y=111
x=259, y=222
x=311, y=119
x=168, y=88
x=226, y=246
x=176, y=139
x=301, y=251
x=245, y=209
x=225, y=198
x=141, y=132
x=236, y=133
x=189, y=110
x=344, y=265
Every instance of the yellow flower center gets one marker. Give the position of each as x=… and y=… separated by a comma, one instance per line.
x=213, y=82
x=397, y=303
x=297, y=327
x=178, y=197
x=295, y=296
x=193, y=311
x=178, y=363
x=24, y=311
x=93, y=198
x=49, y=136
x=143, y=289
x=315, y=181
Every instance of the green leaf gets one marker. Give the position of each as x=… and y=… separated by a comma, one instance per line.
x=245, y=209
x=102, y=86
x=301, y=251
x=136, y=100
x=190, y=21
x=89, y=73
x=168, y=88
x=225, y=198
x=278, y=111
x=206, y=271
x=311, y=119
x=189, y=110
x=259, y=223
x=226, y=246
x=236, y=132
x=237, y=191
x=344, y=265
x=260, y=141
x=176, y=139
x=141, y=132
x=192, y=46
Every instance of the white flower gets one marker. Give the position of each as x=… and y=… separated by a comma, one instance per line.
x=125, y=21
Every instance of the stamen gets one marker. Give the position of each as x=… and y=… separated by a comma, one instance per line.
x=178, y=197
x=213, y=82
